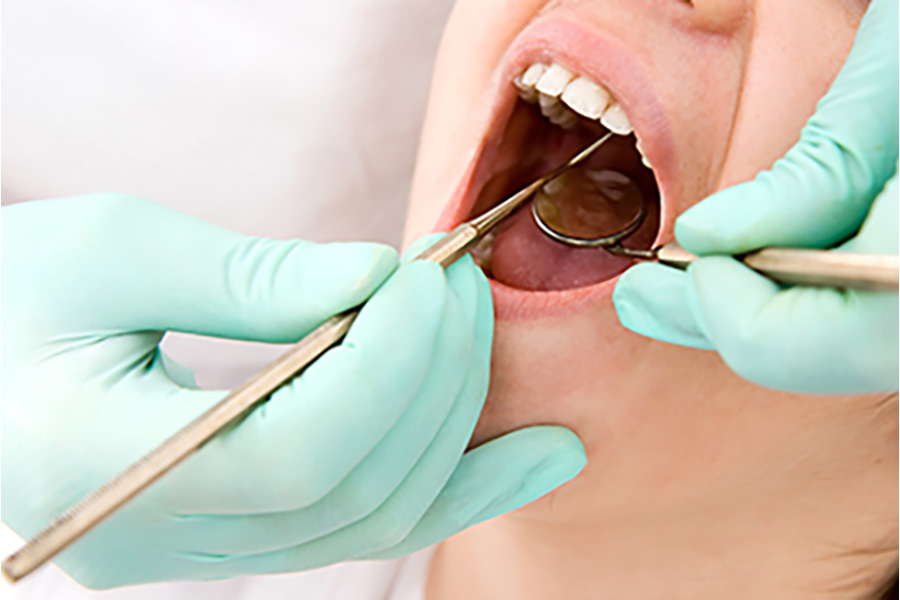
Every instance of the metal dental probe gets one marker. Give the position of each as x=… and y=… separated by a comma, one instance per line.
x=795, y=266
x=101, y=503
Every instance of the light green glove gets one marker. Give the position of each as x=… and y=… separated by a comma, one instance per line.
x=360, y=456
x=841, y=174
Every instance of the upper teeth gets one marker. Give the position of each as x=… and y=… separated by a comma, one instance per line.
x=561, y=94
x=586, y=98
x=554, y=80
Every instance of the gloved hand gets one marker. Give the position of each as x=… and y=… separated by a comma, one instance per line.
x=361, y=455
x=841, y=174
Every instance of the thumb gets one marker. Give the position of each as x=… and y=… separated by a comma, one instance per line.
x=878, y=235
x=162, y=270
x=820, y=192
x=495, y=478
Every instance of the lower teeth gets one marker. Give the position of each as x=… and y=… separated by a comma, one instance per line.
x=481, y=252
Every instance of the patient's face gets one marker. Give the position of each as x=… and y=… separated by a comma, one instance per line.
x=715, y=92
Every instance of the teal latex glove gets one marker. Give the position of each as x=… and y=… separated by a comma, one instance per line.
x=841, y=174
x=360, y=456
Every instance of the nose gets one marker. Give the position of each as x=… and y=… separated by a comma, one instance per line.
x=719, y=16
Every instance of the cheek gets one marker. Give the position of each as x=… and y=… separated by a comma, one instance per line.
x=540, y=374
x=477, y=35
x=783, y=80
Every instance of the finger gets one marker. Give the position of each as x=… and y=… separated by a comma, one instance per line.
x=177, y=372
x=399, y=514
x=797, y=339
x=654, y=301
x=292, y=450
x=160, y=269
x=393, y=521
x=381, y=472
x=495, y=478
x=419, y=246
x=879, y=232
x=819, y=193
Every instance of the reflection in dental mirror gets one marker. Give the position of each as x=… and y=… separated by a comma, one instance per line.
x=589, y=207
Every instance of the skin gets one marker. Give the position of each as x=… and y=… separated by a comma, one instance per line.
x=699, y=484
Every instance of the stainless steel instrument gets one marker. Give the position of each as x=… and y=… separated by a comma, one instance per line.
x=796, y=266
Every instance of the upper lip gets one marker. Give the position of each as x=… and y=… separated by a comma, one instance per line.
x=601, y=57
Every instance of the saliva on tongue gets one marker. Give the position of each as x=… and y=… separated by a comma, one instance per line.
x=524, y=257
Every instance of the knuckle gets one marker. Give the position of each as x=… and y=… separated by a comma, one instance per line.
x=277, y=480
x=749, y=364
x=393, y=529
x=299, y=490
x=354, y=505
x=106, y=205
x=98, y=215
x=268, y=276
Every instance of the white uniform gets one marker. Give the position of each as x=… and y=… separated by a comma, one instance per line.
x=275, y=118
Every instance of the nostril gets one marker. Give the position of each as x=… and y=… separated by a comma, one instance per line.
x=719, y=16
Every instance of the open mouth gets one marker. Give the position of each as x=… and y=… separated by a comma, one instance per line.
x=557, y=113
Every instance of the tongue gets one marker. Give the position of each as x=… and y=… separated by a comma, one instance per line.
x=525, y=258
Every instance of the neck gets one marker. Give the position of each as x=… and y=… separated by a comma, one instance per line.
x=814, y=529
x=511, y=559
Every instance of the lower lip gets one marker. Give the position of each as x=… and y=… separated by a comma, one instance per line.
x=512, y=304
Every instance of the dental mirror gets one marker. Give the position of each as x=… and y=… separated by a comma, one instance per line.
x=589, y=208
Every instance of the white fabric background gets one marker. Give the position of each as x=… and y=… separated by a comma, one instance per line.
x=275, y=118
x=402, y=579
